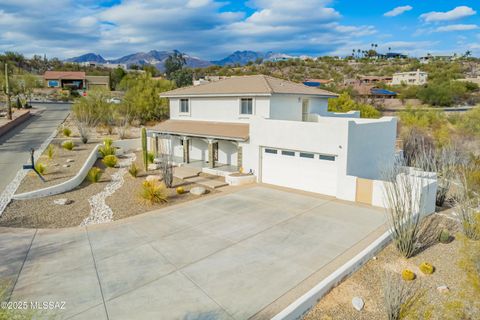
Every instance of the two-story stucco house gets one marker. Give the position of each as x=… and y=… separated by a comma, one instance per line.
x=280, y=131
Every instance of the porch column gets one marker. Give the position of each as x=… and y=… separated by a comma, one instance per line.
x=211, y=157
x=239, y=156
x=155, y=146
x=186, y=149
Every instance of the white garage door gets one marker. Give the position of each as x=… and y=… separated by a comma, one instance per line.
x=300, y=170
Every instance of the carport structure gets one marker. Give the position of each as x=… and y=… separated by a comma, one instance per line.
x=238, y=255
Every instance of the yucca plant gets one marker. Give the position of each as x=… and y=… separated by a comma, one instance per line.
x=154, y=192
x=133, y=170
x=50, y=151
x=94, y=174
x=40, y=168
x=68, y=145
x=107, y=149
x=110, y=161
x=66, y=132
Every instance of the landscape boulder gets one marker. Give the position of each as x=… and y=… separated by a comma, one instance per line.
x=443, y=289
x=358, y=303
x=70, y=160
x=198, y=191
x=153, y=166
x=153, y=177
x=62, y=201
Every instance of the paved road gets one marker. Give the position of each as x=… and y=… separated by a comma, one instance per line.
x=227, y=256
x=15, y=145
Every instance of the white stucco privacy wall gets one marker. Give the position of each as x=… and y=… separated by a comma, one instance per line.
x=371, y=146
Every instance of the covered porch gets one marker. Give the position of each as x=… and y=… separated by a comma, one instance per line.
x=212, y=147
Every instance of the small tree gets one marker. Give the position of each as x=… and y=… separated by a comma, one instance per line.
x=89, y=111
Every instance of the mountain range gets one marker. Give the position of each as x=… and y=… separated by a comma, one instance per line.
x=157, y=58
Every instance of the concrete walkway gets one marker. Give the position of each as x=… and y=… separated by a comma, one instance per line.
x=231, y=256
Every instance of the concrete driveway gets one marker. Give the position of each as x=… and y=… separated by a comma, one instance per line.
x=16, y=144
x=237, y=255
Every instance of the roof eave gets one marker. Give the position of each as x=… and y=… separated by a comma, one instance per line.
x=205, y=136
x=212, y=95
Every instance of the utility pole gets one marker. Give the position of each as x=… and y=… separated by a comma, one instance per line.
x=7, y=91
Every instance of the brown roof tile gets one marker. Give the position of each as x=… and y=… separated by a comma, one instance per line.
x=247, y=85
x=209, y=129
x=67, y=75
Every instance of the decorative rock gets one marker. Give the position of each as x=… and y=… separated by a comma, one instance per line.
x=443, y=289
x=374, y=258
x=70, y=160
x=153, y=166
x=153, y=177
x=198, y=191
x=358, y=303
x=62, y=202
x=56, y=164
x=66, y=166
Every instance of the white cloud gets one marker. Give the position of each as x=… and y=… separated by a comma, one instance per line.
x=454, y=14
x=397, y=11
x=457, y=27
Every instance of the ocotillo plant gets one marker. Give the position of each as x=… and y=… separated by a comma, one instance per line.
x=144, y=148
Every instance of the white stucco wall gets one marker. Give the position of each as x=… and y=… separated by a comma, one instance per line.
x=222, y=109
x=371, y=146
x=286, y=107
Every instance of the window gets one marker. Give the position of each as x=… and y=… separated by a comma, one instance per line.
x=288, y=153
x=246, y=106
x=184, y=107
x=306, y=155
x=328, y=158
x=272, y=151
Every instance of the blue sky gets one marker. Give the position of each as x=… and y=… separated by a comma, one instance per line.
x=211, y=29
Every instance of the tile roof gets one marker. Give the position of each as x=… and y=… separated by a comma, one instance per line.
x=209, y=129
x=67, y=75
x=247, y=85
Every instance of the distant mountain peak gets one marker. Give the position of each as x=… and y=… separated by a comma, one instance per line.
x=88, y=57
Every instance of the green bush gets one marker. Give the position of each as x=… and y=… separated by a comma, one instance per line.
x=66, y=132
x=344, y=103
x=133, y=170
x=110, y=161
x=40, y=168
x=94, y=174
x=150, y=157
x=107, y=149
x=445, y=236
x=68, y=145
x=154, y=192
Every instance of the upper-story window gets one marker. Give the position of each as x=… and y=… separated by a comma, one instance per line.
x=184, y=106
x=246, y=106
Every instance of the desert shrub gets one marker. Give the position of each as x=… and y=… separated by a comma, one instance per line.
x=399, y=297
x=150, y=157
x=50, y=151
x=107, y=148
x=68, y=145
x=94, y=174
x=444, y=236
x=133, y=170
x=344, y=103
x=426, y=268
x=180, y=190
x=110, y=161
x=468, y=201
x=154, y=192
x=40, y=168
x=408, y=275
x=66, y=132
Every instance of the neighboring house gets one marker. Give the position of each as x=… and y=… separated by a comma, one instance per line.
x=317, y=82
x=104, y=65
x=278, y=130
x=76, y=80
x=368, y=87
x=415, y=78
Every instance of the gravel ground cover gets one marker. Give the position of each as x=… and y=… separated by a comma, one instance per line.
x=367, y=282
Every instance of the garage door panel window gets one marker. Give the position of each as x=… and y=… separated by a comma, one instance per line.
x=271, y=151
x=327, y=157
x=288, y=153
x=307, y=155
